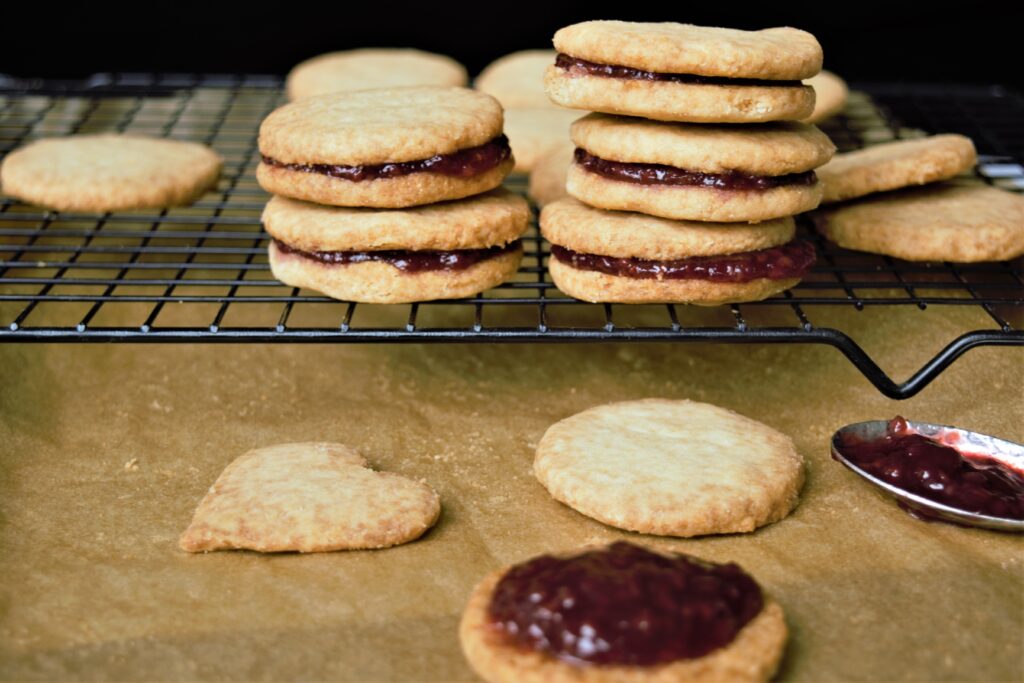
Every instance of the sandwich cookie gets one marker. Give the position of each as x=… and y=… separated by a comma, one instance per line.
x=620, y=257
x=830, y=93
x=680, y=72
x=441, y=251
x=372, y=68
x=385, y=148
x=697, y=172
x=893, y=165
x=622, y=613
x=109, y=172
x=959, y=223
x=517, y=80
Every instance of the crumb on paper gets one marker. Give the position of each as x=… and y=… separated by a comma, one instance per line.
x=132, y=465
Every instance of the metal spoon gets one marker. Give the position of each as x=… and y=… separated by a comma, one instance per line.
x=1006, y=452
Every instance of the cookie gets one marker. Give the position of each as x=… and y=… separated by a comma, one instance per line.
x=535, y=132
x=830, y=93
x=109, y=172
x=640, y=606
x=681, y=72
x=517, y=80
x=697, y=172
x=893, y=165
x=309, y=497
x=385, y=148
x=672, y=468
x=959, y=223
x=547, y=179
x=372, y=68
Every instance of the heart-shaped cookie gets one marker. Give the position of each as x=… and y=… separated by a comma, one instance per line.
x=309, y=497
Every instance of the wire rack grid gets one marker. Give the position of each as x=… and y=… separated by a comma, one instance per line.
x=200, y=273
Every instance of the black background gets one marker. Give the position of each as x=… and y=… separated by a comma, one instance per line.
x=969, y=42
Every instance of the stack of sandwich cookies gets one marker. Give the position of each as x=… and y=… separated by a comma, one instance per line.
x=385, y=196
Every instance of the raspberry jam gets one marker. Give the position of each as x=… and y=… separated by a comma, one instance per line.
x=933, y=470
x=623, y=605
x=405, y=261
x=462, y=164
x=660, y=174
x=791, y=260
x=577, y=66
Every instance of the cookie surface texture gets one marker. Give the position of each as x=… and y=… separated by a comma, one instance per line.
x=671, y=468
x=517, y=79
x=372, y=68
x=109, y=172
x=309, y=497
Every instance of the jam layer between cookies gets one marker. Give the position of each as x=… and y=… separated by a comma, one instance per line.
x=403, y=260
x=465, y=163
x=790, y=260
x=581, y=67
x=623, y=605
x=660, y=174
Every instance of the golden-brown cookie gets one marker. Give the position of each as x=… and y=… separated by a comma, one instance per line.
x=830, y=93
x=109, y=172
x=372, y=68
x=309, y=497
x=536, y=132
x=517, y=80
x=673, y=468
x=547, y=179
x=893, y=165
x=959, y=223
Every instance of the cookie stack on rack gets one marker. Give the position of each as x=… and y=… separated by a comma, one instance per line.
x=392, y=195
x=686, y=177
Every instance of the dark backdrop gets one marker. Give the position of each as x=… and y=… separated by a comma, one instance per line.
x=967, y=42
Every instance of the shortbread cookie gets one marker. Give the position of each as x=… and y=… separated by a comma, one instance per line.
x=547, y=179
x=517, y=80
x=385, y=148
x=672, y=468
x=655, y=618
x=697, y=172
x=309, y=497
x=680, y=72
x=893, y=165
x=109, y=172
x=372, y=68
x=830, y=93
x=959, y=223
x=535, y=132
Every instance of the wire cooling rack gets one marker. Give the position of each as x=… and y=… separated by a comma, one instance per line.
x=200, y=274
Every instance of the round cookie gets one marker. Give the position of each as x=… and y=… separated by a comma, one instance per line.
x=493, y=218
x=372, y=68
x=109, y=172
x=517, y=79
x=547, y=179
x=778, y=55
x=301, y=140
x=535, y=132
x=893, y=165
x=958, y=223
x=672, y=468
x=753, y=656
x=830, y=93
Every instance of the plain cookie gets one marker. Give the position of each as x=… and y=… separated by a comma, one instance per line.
x=547, y=179
x=534, y=133
x=109, y=172
x=309, y=497
x=830, y=94
x=672, y=468
x=372, y=68
x=517, y=79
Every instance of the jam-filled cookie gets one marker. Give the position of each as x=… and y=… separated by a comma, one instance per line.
x=680, y=72
x=697, y=172
x=387, y=148
x=622, y=613
x=109, y=172
x=372, y=68
x=517, y=80
x=672, y=468
x=623, y=257
x=439, y=251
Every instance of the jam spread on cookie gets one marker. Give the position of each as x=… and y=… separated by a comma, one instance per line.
x=576, y=66
x=462, y=164
x=623, y=605
x=405, y=261
x=936, y=471
x=790, y=260
x=659, y=174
